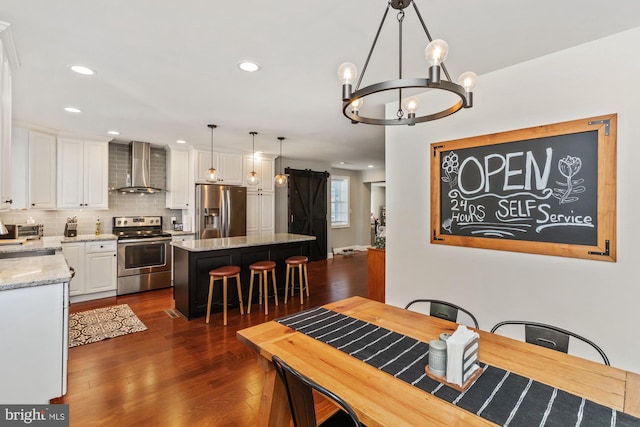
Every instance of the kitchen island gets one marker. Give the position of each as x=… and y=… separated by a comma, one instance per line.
x=34, y=332
x=193, y=259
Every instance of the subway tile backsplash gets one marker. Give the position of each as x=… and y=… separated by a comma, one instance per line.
x=119, y=204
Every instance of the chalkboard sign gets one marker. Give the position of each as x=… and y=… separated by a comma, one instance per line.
x=547, y=190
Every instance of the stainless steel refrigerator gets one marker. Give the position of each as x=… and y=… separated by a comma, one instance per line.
x=221, y=211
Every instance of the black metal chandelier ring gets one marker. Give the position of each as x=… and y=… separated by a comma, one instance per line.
x=347, y=109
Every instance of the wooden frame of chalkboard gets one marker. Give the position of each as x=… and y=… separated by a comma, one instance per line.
x=546, y=190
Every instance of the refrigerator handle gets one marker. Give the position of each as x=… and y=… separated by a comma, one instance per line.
x=291, y=217
x=227, y=212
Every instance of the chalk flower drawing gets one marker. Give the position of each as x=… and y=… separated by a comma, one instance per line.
x=569, y=167
x=450, y=167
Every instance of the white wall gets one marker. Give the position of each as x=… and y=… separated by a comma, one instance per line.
x=600, y=300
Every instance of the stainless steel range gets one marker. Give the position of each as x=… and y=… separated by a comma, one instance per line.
x=144, y=254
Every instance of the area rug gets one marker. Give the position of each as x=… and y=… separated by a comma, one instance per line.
x=96, y=325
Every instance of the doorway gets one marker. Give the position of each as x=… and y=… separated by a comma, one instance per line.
x=307, y=208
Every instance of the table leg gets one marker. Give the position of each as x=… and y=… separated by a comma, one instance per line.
x=274, y=403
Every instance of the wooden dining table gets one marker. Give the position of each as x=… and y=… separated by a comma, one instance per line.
x=380, y=399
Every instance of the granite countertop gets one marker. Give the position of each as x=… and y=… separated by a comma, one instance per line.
x=53, y=243
x=240, y=242
x=25, y=272
x=88, y=238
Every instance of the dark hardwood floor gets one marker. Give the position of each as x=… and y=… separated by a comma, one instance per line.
x=186, y=373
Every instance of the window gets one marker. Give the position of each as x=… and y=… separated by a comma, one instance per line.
x=339, y=201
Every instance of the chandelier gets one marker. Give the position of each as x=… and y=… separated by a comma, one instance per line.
x=435, y=52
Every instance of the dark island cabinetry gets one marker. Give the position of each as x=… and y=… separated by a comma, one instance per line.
x=194, y=259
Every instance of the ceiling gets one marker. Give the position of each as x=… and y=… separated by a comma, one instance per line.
x=165, y=69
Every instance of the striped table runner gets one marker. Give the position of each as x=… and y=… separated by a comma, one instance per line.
x=497, y=395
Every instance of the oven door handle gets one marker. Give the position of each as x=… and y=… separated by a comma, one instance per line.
x=145, y=240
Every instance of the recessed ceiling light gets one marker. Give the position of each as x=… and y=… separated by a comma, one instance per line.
x=370, y=166
x=248, y=66
x=113, y=132
x=72, y=110
x=81, y=69
x=181, y=141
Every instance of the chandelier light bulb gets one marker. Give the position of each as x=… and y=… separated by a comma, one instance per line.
x=468, y=80
x=347, y=73
x=356, y=105
x=411, y=104
x=436, y=52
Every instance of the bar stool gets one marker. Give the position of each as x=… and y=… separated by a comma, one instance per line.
x=224, y=273
x=263, y=267
x=299, y=262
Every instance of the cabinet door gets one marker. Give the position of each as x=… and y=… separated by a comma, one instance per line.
x=32, y=363
x=267, y=207
x=74, y=254
x=253, y=214
x=5, y=132
x=42, y=170
x=101, y=270
x=260, y=214
x=267, y=169
x=177, y=179
x=96, y=174
x=231, y=168
x=203, y=163
x=19, y=168
x=70, y=173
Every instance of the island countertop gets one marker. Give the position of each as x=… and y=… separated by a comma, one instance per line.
x=26, y=272
x=241, y=242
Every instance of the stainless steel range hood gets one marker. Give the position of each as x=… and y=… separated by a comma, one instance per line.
x=140, y=169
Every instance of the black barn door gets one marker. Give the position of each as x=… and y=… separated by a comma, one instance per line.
x=308, y=208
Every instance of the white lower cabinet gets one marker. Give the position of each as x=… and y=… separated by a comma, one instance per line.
x=95, y=265
x=34, y=337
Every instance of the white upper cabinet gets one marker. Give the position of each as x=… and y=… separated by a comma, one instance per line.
x=228, y=167
x=8, y=61
x=231, y=168
x=42, y=170
x=264, y=167
x=177, y=178
x=83, y=174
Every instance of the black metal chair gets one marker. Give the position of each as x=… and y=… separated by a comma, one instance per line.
x=550, y=336
x=444, y=310
x=300, y=393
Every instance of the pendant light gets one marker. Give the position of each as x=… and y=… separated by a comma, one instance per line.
x=280, y=180
x=252, y=178
x=213, y=175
